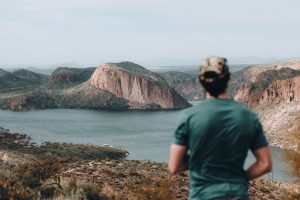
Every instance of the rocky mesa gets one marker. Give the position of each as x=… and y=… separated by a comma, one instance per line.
x=138, y=85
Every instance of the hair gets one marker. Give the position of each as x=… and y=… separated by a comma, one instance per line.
x=216, y=85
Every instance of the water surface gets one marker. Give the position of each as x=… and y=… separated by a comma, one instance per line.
x=145, y=134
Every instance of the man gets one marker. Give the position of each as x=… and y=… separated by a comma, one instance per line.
x=213, y=138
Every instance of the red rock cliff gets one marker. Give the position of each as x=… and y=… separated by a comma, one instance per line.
x=136, y=84
x=259, y=84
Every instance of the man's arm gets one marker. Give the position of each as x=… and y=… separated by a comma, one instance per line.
x=178, y=158
x=262, y=165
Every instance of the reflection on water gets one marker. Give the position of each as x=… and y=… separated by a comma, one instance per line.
x=146, y=135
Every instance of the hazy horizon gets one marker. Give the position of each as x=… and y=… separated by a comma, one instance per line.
x=150, y=33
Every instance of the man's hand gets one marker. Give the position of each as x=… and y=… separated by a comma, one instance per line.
x=262, y=165
x=178, y=159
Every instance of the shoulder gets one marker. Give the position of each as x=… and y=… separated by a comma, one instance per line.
x=200, y=108
x=245, y=110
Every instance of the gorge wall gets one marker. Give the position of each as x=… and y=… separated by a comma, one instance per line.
x=272, y=86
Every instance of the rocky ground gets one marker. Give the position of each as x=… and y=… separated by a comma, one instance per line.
x=68, y=171
x=280, y=121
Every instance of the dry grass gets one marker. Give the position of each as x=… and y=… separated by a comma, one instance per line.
x=293, y=157
x=146, y=191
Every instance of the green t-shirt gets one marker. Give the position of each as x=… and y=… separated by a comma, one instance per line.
x=218, y=134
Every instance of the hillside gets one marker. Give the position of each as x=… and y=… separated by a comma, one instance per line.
x=67, y=77
x=20, y=79
x=30, y=76
x=3, y=72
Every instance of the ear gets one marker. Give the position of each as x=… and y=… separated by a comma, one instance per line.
x=201, y=78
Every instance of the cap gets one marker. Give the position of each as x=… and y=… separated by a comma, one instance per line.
x=215, y=64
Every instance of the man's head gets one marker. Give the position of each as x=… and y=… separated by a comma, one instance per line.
x=214, y=75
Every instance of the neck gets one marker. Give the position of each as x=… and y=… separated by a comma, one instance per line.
x=223, y=95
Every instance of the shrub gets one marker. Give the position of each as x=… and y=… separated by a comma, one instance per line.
x=149, y=189
x=48, y=192
x=93, y=192
x=34, y=173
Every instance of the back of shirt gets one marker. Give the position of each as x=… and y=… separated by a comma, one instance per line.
x=218, y=134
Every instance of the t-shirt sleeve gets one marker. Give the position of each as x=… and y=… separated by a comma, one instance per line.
x=182, y=132
x=260, y=139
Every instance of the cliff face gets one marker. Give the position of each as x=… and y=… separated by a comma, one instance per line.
x=272, y=86
x=242, y=81
x=136, y=84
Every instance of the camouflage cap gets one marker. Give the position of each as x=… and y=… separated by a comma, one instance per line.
x=218, y=65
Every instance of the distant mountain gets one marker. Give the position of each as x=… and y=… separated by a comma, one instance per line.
x=3, y=72
x=19, y=79
x=30, y=76
x=253, y=60
x=41, y=70
x=192, y=69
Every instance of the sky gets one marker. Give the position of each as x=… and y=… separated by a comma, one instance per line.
x=148, y=32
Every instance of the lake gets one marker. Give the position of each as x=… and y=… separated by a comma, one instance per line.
x=145, y=134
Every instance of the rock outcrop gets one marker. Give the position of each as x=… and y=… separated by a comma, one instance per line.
x=138, y=85
x=272, y=86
